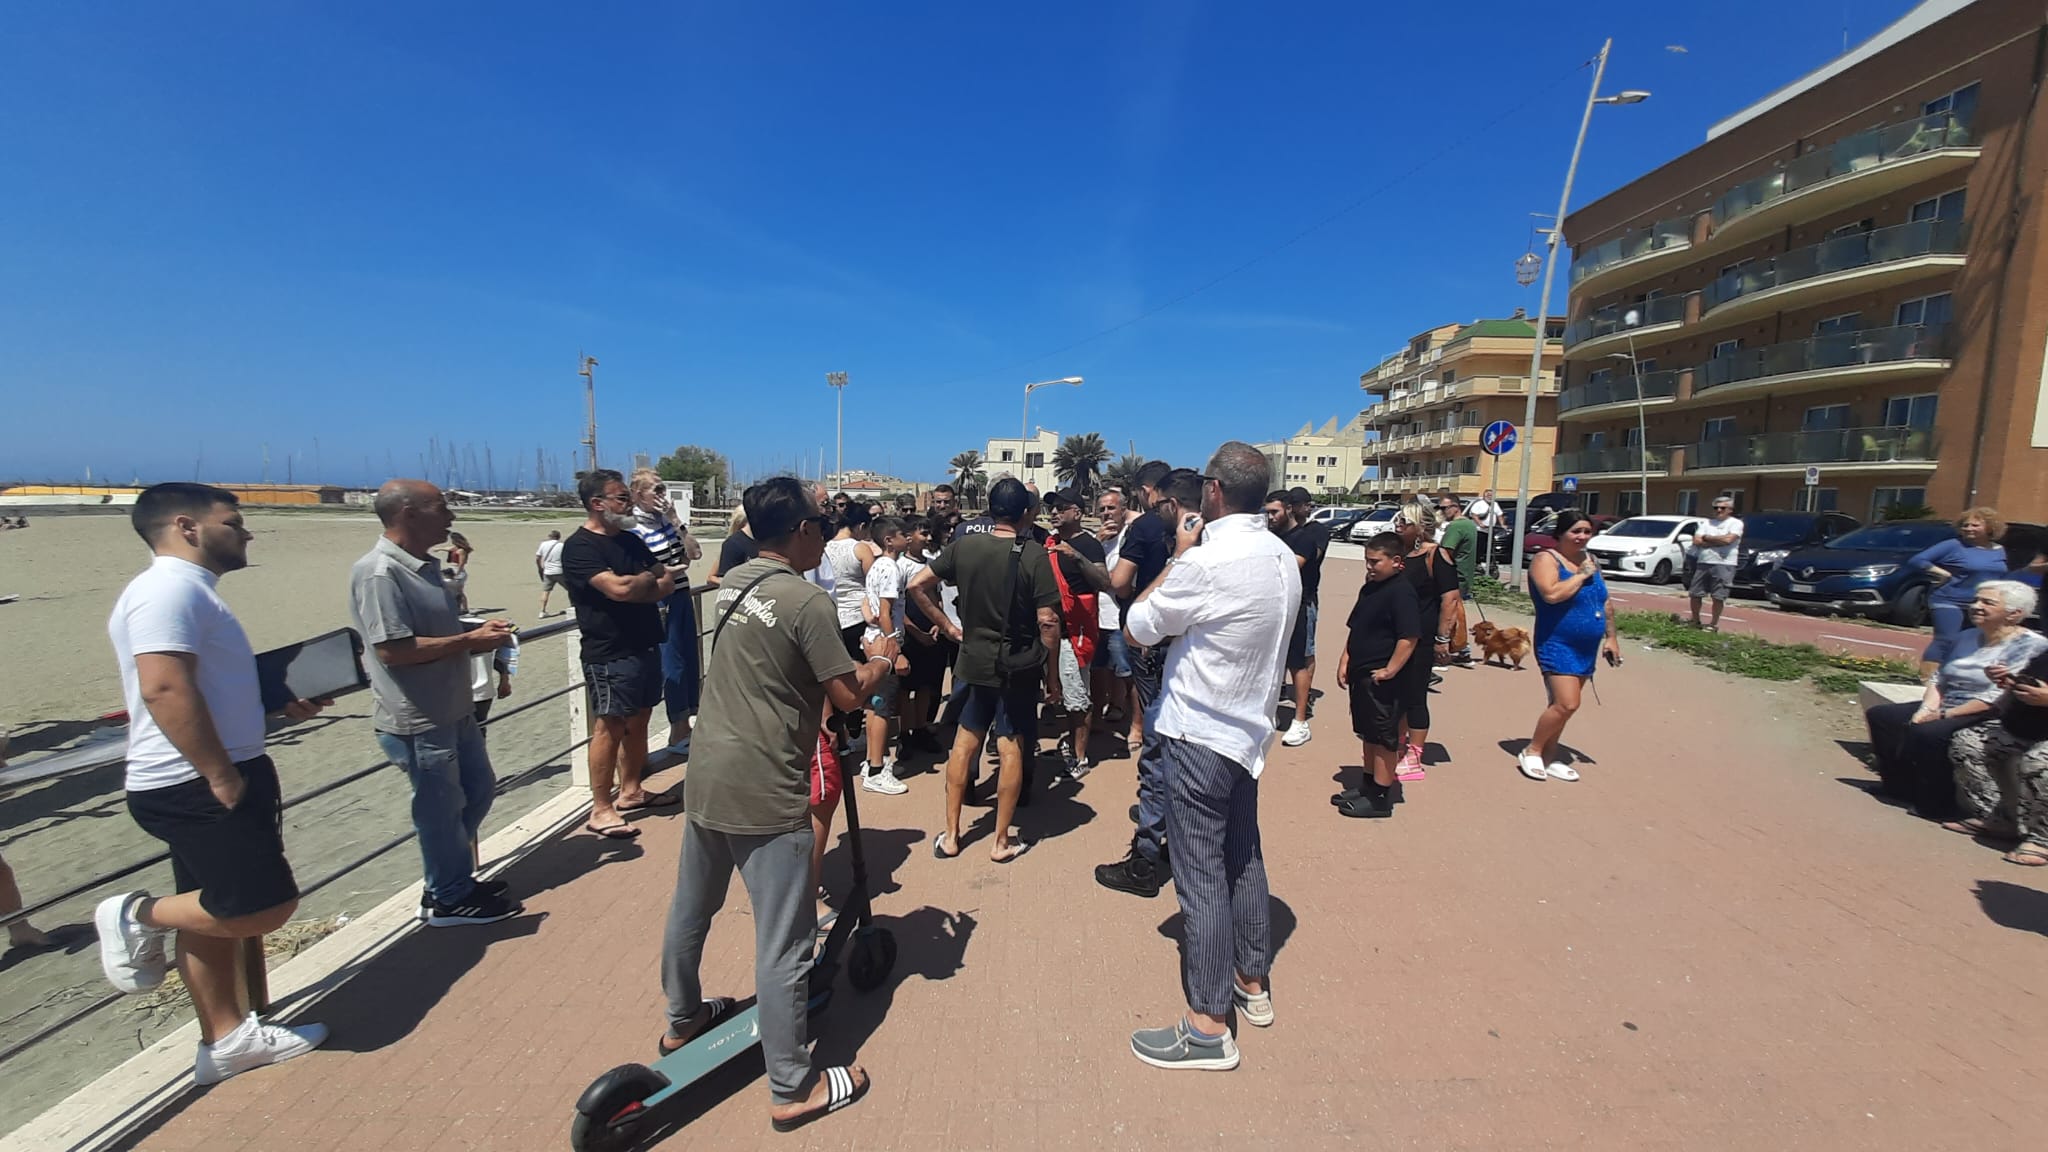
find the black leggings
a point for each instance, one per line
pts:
(1912, 759)
(1415, 688)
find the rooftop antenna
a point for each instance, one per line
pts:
(589, 406)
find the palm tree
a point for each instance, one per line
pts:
(1079, 459)
(1124, 473)
(968, 476)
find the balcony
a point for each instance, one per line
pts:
(1595, 399)
(1623, 461)
(1836, 268)
(1841, 449)
(1632, 255)
(1853, 170)
(1607, 329)
(1830, 361)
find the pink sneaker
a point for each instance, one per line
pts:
(1410, 767)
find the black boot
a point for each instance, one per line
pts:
(1135, 874)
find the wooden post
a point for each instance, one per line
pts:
(255, 975)
(579, 712)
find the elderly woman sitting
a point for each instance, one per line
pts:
(2002, 767)
(1911, 740)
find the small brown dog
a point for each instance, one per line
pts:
(1502, 643)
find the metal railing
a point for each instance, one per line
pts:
(1833, 350)
(1596, 461)
(1614, 318)
(1840, 254)
(1619, 390)
(1821, 446)
(1857, 153)
(1672, 233)
(254, 970)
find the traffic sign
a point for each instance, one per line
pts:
(1812, 477)
(1571, 483)
(1498, 439)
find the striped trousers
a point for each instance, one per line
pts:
(1219, 871)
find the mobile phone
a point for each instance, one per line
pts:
(2029, 681)
(1188, 522)
(1608, 655)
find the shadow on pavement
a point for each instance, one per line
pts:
(1280, 920)
(370, 1014)
(1514, 748)
(562, 859)
(2014, 906)
(888, 849)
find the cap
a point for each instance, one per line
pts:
(1299, 496)
(1060, 498)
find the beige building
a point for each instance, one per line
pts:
(1848, 275)
(1327, 461)
(1433, 398)
(1029, 460)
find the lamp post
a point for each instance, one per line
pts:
(1629, 321)
(1024, 430)
(837, 382)
(1550, 272)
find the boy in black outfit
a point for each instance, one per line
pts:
(1386, 626)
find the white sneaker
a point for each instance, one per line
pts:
(131, 953)
(254, 1045)
(1532, 766)
(1297, 734)
(883, 780)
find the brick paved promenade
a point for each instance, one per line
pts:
(1711, 942)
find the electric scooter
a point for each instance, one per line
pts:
(613, 1112)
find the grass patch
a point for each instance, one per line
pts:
(1760, 659)
(1495, 594)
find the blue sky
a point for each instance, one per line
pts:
(367, 226)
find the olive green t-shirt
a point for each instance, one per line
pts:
(980, 566)
(1461, 540)
(763, 699)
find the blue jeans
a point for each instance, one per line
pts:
(1948, 625)
(452, 789)
(679, 661)
(1148, 667)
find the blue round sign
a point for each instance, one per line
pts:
(1498, 439)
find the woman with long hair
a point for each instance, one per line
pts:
(1574, 630)
(848, 556)
(1435, 577)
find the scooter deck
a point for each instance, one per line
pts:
(705, 1054)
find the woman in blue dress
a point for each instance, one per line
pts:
(1573, 630)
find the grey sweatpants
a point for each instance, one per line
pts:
(777, 873)
(1219, 871)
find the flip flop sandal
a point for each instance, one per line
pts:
(840, 1090)
(721, 1007)
(613, 831)
(1017, 848)
(1532, 767)
(657, 800)
(2028, 857)
(1978, 826)
(939, 848)
(1561, 772)
(1364, 809)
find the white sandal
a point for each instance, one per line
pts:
(1562, 771)
(1531, 765)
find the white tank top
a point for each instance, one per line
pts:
(849, 583)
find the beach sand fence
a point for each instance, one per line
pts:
(125, 1096)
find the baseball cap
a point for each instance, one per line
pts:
(1060, 498)
(1299, 496)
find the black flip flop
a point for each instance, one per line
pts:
(613, 831)
(941, 853)
(840, 1091)
(656, 800)
(721, 1007)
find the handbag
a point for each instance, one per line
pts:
(1459, 637)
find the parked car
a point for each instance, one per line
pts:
(1768, 537)
(1541, 504)
(1371, 524)
(1541, 534)
(1864, 573)
(1335, 519)
(1647, 547)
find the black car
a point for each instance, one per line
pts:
(1768, 537)
(1862, 573)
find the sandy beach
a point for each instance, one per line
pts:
(59, 677)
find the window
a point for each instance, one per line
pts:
(1688, 501)
(1646, 366)
(1034, 459)
(1959, 103)
(1910, 411)
(1885, 498)
(1630, 437)
(1727, 347)
(1592, 502)
(1449, 377)
(1473, 418)
(1469, 466)
(1852, 228)
(1717, 427)
(1734, 495)
(1319, 480)
(1947, 206)
(1825, 417)
(1815, 499)
(1846, 322)
(1629, 503)
(1008, 456)
(1596, 440)
(1738, 266)
(1599, 376)
(1936, 309)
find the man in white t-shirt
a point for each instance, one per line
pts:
(547, 560)
(197, 779)
(1485, 515)
(1111, 671)
(1716, 549)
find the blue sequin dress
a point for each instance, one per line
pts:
(1568, 635)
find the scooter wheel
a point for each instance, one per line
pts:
(610, 1112)
(873, 958)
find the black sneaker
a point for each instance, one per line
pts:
(484, 890)
(1134, 813)
(474, 909)
(1134, 874)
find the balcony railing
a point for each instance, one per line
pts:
(1595, 461)
(1614, 318)
(1855, 153)
(1826, 446)
(1656, 386)
(1840, 254)
(1631, 244)
(1834, 350)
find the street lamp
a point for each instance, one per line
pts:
(1630, 96)
(1629, 320)
(837, 382)
(1024, 430)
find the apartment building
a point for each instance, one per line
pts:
(1849, 275)
(1432, 399)
(1327, 461)
(1028, 459)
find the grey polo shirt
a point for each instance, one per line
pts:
(393, 594)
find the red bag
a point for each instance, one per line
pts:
(1078, 618)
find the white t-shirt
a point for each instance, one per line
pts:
(173, 607)
(1107, 614)
(1484, 513)
(842, 559)
(1726, 553)
(885, 582)
(550, 554)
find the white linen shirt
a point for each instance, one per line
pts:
(1231, 600)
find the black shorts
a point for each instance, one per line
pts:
(626, 686)
(233, 859)
(1376, 710)
(1301, 645)
(850, 636)
(1011, 710)
(928, 663)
